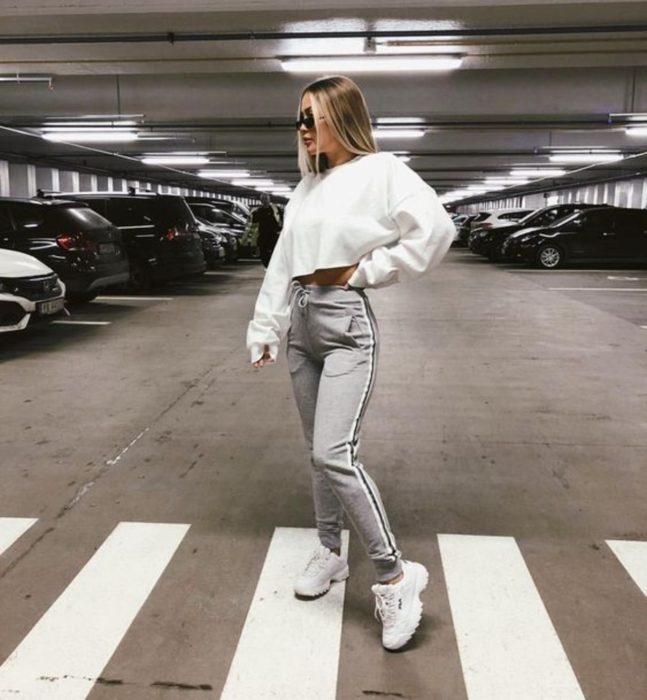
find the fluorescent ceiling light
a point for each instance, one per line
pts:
(636, 130)
(398, 133)
(511, 182)
(175, 160)
(370, 64)
(252, 182)
(17, 78)
(85, 124)
(225, 174)
(399, 120)
(538, 172)
(585, 157)
(91, 136)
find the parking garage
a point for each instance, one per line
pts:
(156, 499)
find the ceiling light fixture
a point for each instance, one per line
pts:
(224, 174)
(538, 172)
(175, 160)
(398, 133)
(252, 182)
(17, 78)
(370, 64)
(584, 158)
(91, 136)
(636, 130)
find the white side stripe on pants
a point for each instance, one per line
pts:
(508, 647)
(289, 648)
(11, 529)
(65, 652)
(633, 556)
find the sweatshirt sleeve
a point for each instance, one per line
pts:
(272, 311)
(425, 229)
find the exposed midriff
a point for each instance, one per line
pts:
(328, 275)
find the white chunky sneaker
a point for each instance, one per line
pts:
(398, 605)
(323, 568)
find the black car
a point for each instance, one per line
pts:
(159, 232)
(463, 231)
(214, 244)
(239, 212)
(222, 222)
(83, 248)
(606, 234)
(489, 242)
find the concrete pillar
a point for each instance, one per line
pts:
(48, 179)
(69, 181)
(4, 178)
(22, 180)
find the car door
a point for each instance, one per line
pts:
(591, 235)
(630, 229)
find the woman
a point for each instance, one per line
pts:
(358, 219)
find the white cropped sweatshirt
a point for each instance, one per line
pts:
(372, 210)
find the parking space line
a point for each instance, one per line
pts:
(507, 644)
(81, 323)
(13, 528)
(288, 649)
(64, 653)
(126, 298)
(633, 556)
(596, 289)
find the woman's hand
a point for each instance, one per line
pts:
(265, 359)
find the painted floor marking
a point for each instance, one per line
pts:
(507, 644)
(633, 556)
(82, 323)
(288, 648)
(596, 289)
(122, 298)
(64, 653)
(13, 528)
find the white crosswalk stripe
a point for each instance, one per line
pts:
(288, 649)
(507, 644)
(11, 529)
(633, 556)
(65, 652)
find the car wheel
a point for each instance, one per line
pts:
(550, 256)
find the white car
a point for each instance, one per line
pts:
(498, 217)
(28, 288)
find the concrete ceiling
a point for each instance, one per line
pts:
(207, 77)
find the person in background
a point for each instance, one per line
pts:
(358, 219)
(269, 220)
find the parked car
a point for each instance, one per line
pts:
(463, 231)
(604, 234)
(239, 211)
(220, 221)
(213, 244)
(497, 217)
(159, 232)
(489, 243)
(83, 248)
(28, 290)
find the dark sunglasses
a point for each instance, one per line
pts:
(307, 120)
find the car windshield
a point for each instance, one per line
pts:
(543, 217)
(82, 218)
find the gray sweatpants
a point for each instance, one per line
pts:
(332, 355)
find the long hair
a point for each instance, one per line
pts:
(340, 102)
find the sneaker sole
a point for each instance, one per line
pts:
(422, 579)
(316, 592)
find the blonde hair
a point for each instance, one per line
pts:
(340, 102)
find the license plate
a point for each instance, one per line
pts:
(47, 308)
(106, 248)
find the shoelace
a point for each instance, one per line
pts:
(385, 607)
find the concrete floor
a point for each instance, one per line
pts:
(502, 407)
